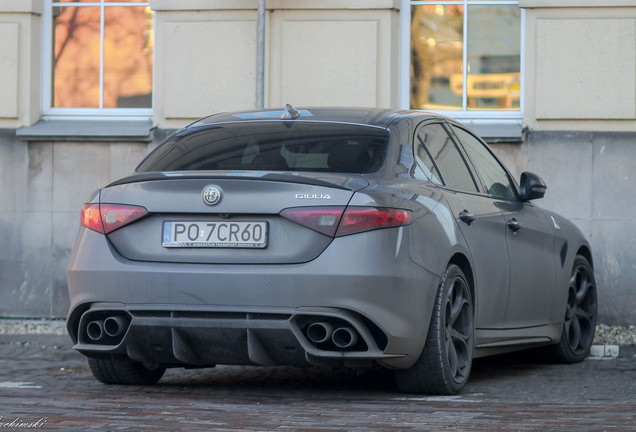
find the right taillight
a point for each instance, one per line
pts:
(321, 219)
(359, 219)
(106, 218)
(340, 221)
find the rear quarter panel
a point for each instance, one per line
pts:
(568, 243)
(433, 235)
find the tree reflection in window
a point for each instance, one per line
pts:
(102, 62)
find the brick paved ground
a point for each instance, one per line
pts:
(43, 379)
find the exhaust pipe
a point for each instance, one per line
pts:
(319, 332)
(344, 337)
(95, 330)
(115, 326)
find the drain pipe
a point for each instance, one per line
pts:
(260, 79)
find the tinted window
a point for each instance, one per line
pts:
(445, 156)
(275, 146)
(425, 162)
(495, 178)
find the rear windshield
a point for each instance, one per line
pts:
(272, 146)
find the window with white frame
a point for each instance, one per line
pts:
(462, 57)
(98, 57)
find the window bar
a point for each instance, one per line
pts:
(465, 65)
(101, 53)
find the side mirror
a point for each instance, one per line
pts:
(532, 186)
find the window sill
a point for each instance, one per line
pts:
(496, 131)
(88, 130)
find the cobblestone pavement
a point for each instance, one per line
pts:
(46, 385)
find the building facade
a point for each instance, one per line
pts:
(87, 88)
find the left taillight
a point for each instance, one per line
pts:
(106, 218)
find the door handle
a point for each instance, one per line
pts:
(514, 225)
(467, 217)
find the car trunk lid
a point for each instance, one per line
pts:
(177, 228)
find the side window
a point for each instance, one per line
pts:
(437, 154)
(495, 178)
(424, 159)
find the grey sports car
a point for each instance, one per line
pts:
(325, 236)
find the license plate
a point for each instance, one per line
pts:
(197, 234)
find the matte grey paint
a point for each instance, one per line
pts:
(384, 279)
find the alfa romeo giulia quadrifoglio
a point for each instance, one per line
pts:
(338, 237)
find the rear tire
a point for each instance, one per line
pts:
(119, 369)
(446, 360)
(579, 325)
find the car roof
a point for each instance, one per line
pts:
(364, 116)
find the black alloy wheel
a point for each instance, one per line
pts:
(446, 360)
(579, 325)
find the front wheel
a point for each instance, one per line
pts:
(446, 360)
(119, 369)
(580, 315)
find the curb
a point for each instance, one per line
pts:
(42, 339)
(609, 352)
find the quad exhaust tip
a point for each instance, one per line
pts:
(342, 337)
(95, 330)
(319, 332)
(115, 326)
(108, 331)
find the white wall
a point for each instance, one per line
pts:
(20, 34)
(339, 53)
(580, 69)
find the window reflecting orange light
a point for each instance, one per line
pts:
(493, 57)
(128, 57)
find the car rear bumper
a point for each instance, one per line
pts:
(204, 314)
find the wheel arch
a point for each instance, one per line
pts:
(586, 253)
(461, 261)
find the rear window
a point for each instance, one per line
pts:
(272, 146)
